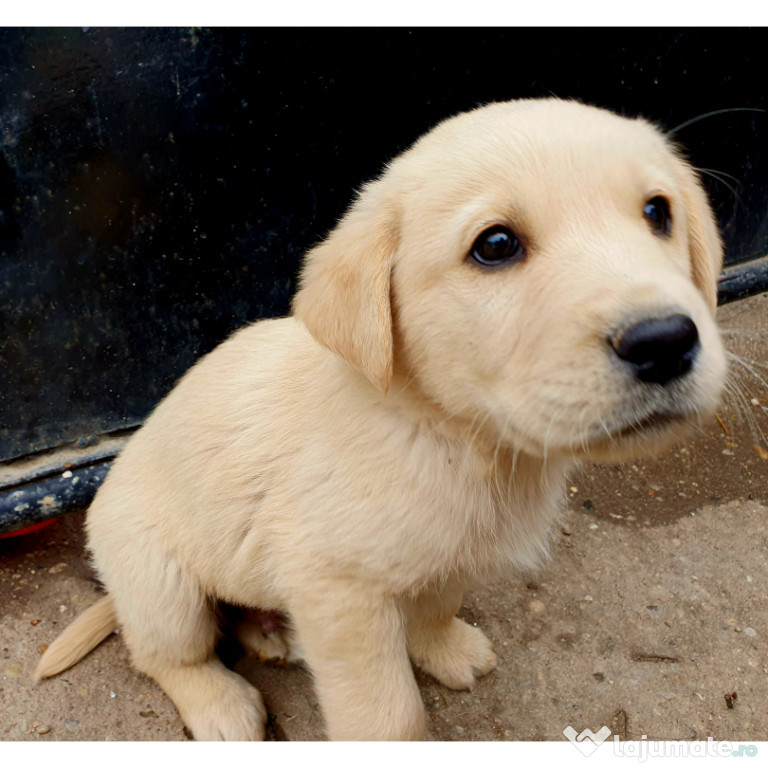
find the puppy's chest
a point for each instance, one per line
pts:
(473, 515)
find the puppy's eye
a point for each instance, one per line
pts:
(496, 246)
(656, 213)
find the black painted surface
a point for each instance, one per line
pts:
(44, 499)
(158, 186)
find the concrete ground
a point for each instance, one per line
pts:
(652, 617)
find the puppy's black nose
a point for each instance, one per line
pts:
(660, 349)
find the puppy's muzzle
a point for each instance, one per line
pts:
(658, 350)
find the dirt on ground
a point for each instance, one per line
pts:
(651, 617)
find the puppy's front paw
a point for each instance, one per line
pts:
(236, 713)
(456, 654)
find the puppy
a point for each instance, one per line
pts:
(531, 285)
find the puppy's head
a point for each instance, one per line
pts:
(541, 268)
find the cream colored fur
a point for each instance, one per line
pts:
(408, 430)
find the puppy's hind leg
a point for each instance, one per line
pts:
(171, 634)
(265, 634)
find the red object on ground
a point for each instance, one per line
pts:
(28, 529)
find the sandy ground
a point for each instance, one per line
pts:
(651, 617)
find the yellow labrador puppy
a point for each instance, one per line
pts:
(532, 284)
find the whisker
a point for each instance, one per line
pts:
(714, 172)
(582, 431)
(736, 386)
(555, 416)
(737, 399)
(746, 365)
(512, 473)
(716, 175)
(739, 402)
(473, 434)
(711, 114)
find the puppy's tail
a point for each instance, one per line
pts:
(78, 639)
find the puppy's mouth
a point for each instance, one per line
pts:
(643, 431)
(637, 437)
(652, 424)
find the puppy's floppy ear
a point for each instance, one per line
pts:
(704, 243)
(343, 297)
